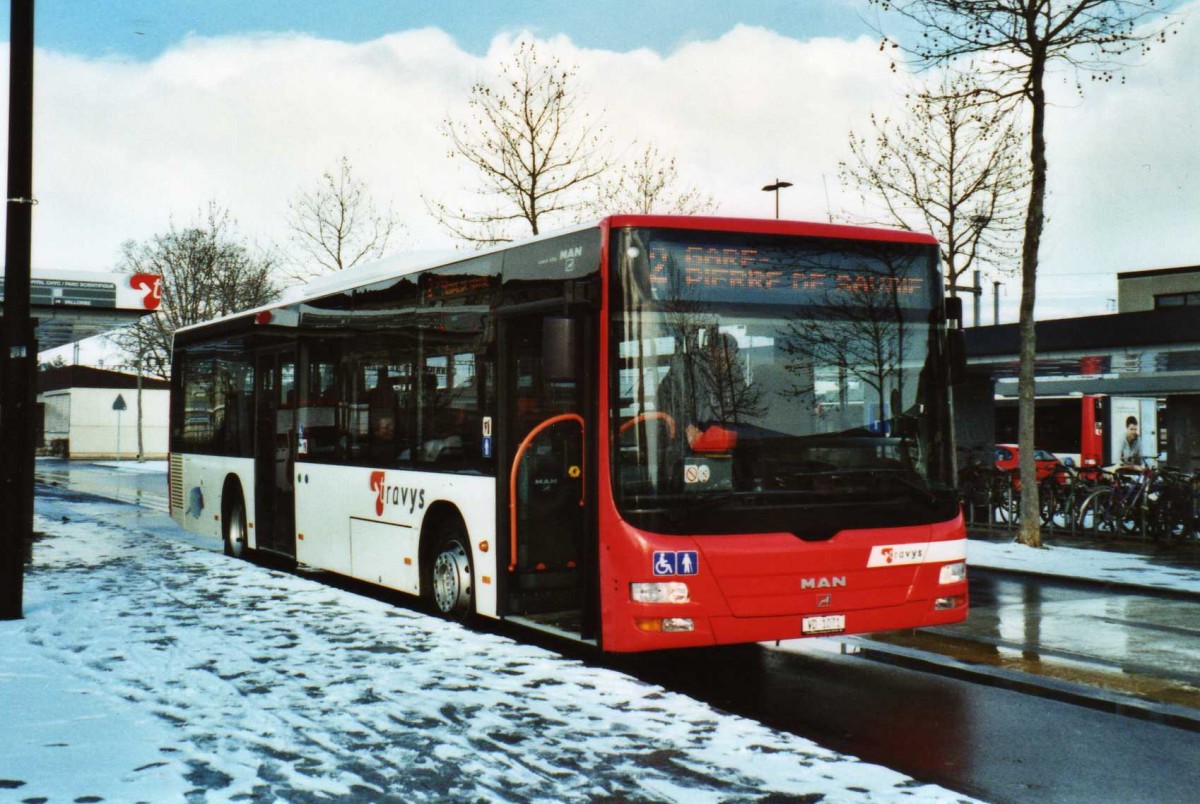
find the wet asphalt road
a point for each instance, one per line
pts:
(1125, 642)
(994, 744)
(1010, 736)
(127, 481)
(986, 741)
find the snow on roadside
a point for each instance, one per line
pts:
(1074, 562)
(149, 669)
(144, 467)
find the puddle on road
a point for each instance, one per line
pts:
(1093, 674)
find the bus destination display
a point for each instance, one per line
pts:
(782, 275)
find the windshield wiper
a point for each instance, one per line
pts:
(898, 475)
(689, 503)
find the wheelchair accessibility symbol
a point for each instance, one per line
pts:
(676, 562)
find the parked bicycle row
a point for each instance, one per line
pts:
(1148, 502)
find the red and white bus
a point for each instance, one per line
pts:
(1087, 428)
(651, 432)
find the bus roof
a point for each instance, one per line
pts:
(770, 226)
(405, 263)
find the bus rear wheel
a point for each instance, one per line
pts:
(235, 529)
(452, 589)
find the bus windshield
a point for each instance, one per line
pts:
(757, 375)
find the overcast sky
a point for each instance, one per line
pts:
(146, 111)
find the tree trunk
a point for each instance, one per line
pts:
(1030, 529)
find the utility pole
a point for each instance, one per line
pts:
(18, 352)
(976, 290)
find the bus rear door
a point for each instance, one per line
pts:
(275, 452)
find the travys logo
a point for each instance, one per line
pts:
(885, 555)
(151, 287)
(402, 497)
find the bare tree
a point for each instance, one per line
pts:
(650, 184)
(337, 225)
(950, 166)
(861, 330)
(1015, 43)
(207, 271)
(535, 149)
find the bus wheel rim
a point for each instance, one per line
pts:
(451, 579)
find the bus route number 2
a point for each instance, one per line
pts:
(676, 562)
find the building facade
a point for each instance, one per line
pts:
(91, 413)
(1138, 291)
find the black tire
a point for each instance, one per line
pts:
(235, 530)
(1049, 500)
(1096, 515)
(1008, 507)
(1129, 517)
(450, 574)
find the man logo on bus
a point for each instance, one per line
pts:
(830, 582)
(402, 496)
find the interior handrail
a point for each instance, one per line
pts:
(516, 467)
(642, 417)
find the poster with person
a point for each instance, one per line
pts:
(1133, 431)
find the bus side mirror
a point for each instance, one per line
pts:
(954, 311)
(560, 345)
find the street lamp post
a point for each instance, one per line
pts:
(18, 345)
(775, 188)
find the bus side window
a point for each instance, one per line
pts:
(381, 417)
(318, 415)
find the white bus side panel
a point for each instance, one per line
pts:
(202, 483)
(366, 523)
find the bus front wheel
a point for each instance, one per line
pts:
(451, 577)
(235, 529)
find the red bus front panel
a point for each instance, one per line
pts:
(760, 587)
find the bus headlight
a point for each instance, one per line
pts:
(659, 592)
(667, 624)
(953, 573)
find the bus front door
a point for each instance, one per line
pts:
(544, 471)
(275, 452)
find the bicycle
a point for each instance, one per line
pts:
(1172, 505)
(1121, 507)
(1064, 493)
(1006, 497)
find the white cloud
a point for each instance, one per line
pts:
(1124, 178)
(1125, 169)
(248, 121)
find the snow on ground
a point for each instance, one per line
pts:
(145, 467)
(150, 669)
(1075, 562)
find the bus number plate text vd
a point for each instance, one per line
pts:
(823, 624)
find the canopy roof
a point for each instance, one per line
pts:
(69, 306)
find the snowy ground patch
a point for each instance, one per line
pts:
(143, 467)
(150, 669)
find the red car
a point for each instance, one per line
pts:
(1008, 457)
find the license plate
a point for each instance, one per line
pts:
(823, 624)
